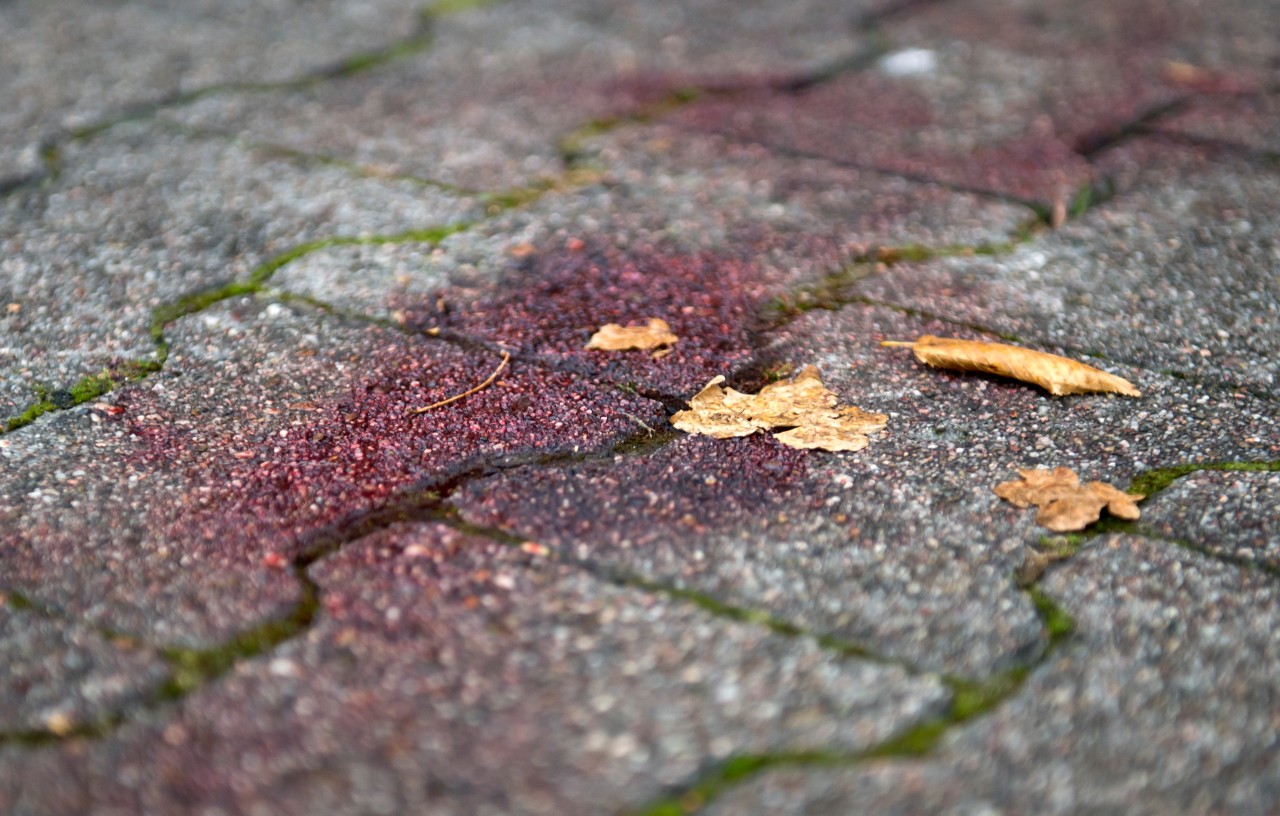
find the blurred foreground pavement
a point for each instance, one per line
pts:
(240, 241)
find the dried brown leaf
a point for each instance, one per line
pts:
(802, 404)
(1065, 504)
(1039, 487)
(653, 334)
(1057, 375)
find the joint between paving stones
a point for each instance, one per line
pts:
(95, 386)
(970, 700)
(416, 42)
(189, 670)
(1269, 159)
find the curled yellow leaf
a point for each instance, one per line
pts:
(1057, 375)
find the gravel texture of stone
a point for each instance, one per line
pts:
(313, 500)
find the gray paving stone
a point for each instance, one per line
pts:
(1163, 701)
(1233, 514)
(59, 676)
(142, 217)
(449, 674)
(70, 64)
(1132, 281)
(486, 106)
(662, 190)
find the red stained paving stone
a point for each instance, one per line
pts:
(1001, 97)
(452, 675)
(1235, 34)
(550, 306)
(177, 515)
(878, 122)
(274, 483)
(691, 487)
(1246, 122)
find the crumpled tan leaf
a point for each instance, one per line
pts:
(1065, 504)
(801, 404)
(653, 334)
(1057, 375)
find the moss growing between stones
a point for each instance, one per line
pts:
(94, 386)
(970, 699)
(190, 669)
(1150, 482)
(193, 668)
(84, 390)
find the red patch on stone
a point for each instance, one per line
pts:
(355, 453)
(552, 305)
(880, 123)
(691, 486)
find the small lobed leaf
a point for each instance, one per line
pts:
(655, 333)
(1057, 375)
(1066, 505)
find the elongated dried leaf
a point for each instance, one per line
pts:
(1065, 504)
(802, 404)
(653, 334)
(1057, 375)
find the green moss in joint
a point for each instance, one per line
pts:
(84, 390)
(1152, 482)
(1058, 624)
(193, 668)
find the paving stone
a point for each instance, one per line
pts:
(1164, 700)
(1232, 514)
(59, 676)
(266, 429)
(1128, 282)
(818, 538)
(1000, 96)
(253, 582)
(486, 106)
(142, 216)
(688, 229)
(1248, 121)
(450, 674)
(72, 64)
(1235, 36)
(980, 118)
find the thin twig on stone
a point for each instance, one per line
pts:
(506, 356)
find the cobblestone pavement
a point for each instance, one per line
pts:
(239, 241)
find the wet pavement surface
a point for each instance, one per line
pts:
(239, 246)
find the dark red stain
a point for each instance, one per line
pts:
(689, 487)
(265, 486)
(873, 121)
(550, 305)
(261, 495)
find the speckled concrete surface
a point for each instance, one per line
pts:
(241, 244)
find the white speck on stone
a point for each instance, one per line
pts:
(283, 667)
(909, 62)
